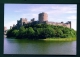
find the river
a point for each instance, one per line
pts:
(23, 46)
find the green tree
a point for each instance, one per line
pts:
(59, 33)
(15, 33)
(41, 31)
(22, 31)
(9, 33)
(30, 32)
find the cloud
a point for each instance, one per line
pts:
(29, 15)
(52, 9)
(10, 24)
(74, 25)
(56, 12)
(21, 10)
(71, 11)
(41, 8)
(34, 15)
(72, 17)
(62, 10)
(24, 15)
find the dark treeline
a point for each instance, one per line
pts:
(41, 31)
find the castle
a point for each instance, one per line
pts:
(42, 19)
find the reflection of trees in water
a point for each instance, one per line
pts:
(24, 46)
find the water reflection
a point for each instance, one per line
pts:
(23, 46)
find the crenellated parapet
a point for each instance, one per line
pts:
(42, 19)
(67, 24)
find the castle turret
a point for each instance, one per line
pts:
(13, 25)
(33, 19)
(68, 24)
(21, 21)
(43, 17)
(62, 22)
(10, 27)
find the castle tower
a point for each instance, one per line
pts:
(69, 24)
(10, 27)
(43, 17)
(13, 25)
(33, 19)
(23, 21)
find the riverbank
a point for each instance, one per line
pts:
(51, 39)
(60, 39)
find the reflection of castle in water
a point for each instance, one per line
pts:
(43, 18)
(5, 36)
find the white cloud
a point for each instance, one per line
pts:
(34, 15)
(55, 9)
(61, 10)
(41, 8)
(72, 17)
(21, 10)
(24, 15)
(29, 15)
(74, 25)
(10, 24)
(71, 11)
(52, 10)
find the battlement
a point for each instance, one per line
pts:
(33, 19)
(67, 24)
(42, 18)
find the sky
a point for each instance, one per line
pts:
(56, 13)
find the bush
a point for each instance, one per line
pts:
(41, 31)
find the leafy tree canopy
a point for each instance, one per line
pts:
(41, 31)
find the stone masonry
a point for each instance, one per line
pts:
(42, 18)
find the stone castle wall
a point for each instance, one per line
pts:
(60, 24)
(43, 18)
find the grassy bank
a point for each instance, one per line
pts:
(60, 39)
(51, 39)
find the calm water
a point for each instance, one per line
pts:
(19, 46)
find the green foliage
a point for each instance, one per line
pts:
(9, 33)
(30, 33)
(41, 31)
(15, 33)
(21, 32)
